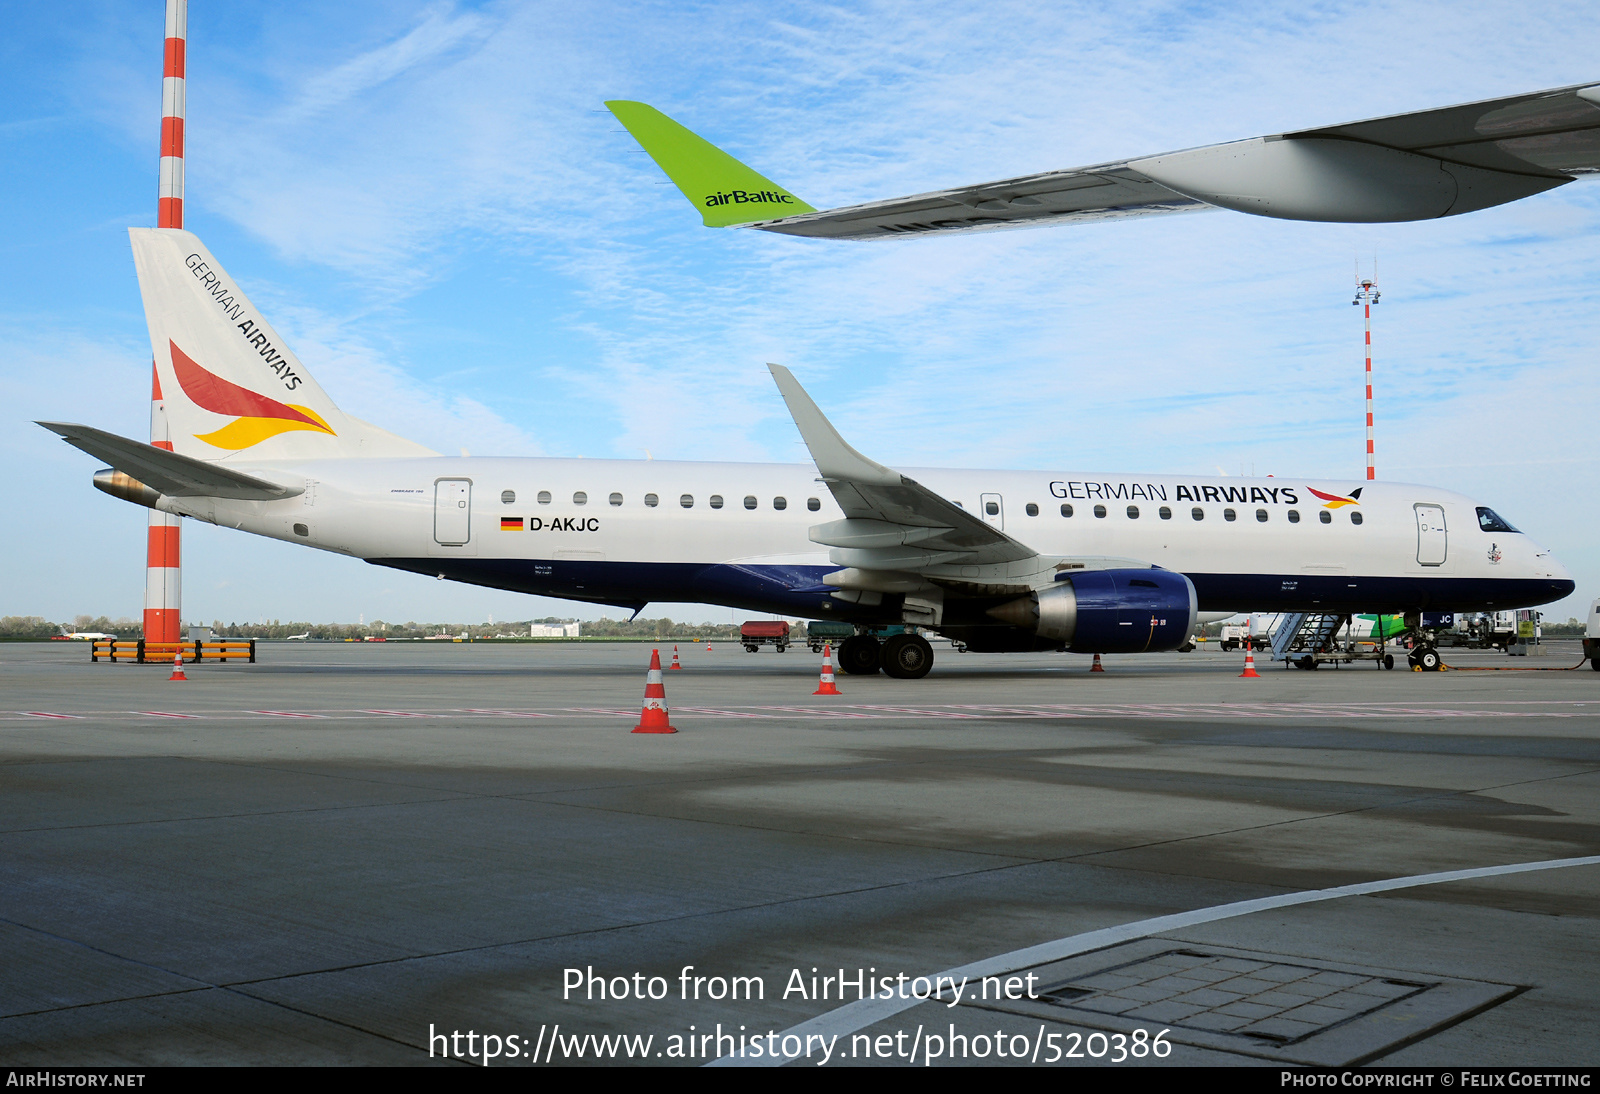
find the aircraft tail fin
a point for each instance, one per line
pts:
(724, 190)
(228, 384)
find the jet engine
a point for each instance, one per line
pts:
(1108, 611)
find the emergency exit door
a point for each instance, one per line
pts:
(452, 512)
(993, 509)
(1432, 540)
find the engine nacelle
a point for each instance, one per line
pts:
(1109, 611)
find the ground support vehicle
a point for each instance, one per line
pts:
(756, 633)
(1309, 640)
(824, 632)
(1591, 636)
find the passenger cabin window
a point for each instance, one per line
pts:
(1261, 515)
(651, 500)
(615, 499)
(780, 503)
(508, 497)
(813, 504)
(716, 501)
(1166, 513)
(1032, 509)
(750, 501)
(687, 501)
(544, 497)
(580, 498)
(1066, 510)
(1490, 521)
(1325, 517)
(1229, 514)
(1099, 510)
(1294, 516)
(1197, 513)
(1355, 516)
(1133, 512)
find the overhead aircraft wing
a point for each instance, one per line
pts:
(1416, 166)
(168, 472)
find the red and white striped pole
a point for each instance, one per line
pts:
(1367, 294)
(163, 582)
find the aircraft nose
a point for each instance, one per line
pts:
(1550, 568)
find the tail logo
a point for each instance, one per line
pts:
(1335, 501)
(256, 416)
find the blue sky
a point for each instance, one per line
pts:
(431, 204)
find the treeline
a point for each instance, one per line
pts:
(35, 626)
(602, 628)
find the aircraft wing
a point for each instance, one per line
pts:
(891, 522)
(168, 472)
(1416, 166)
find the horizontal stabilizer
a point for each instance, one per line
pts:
(724, 190)
(169, 473)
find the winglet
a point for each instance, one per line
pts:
(724, 190)
(834, 457)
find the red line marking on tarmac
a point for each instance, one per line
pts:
(166, 714)
(286, 713)
(820, 713)
(510, 713)
(715, 710)
(918, 710)
(602, 710)
(398, 713)
(47, 714)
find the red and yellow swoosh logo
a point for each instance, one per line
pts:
(258, 416)
(1335, 501)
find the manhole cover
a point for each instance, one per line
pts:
(1281, 1008)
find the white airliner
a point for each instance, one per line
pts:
(998, 560)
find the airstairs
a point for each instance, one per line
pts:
(1299, 634)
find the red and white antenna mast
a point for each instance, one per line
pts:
(1367, 294)
(163, 583)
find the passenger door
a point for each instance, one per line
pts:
(452, 512)
(1432, 539)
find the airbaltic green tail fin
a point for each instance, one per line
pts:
(724, 190)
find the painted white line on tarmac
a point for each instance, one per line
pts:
(848, 1019)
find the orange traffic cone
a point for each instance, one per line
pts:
(1249, 662)
(177, 666)
(1097, 667)
(708, 645)
(675, 666)
(653, 717)
(827, 686)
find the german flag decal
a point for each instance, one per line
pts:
(511, 524)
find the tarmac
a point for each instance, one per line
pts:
(352, 853)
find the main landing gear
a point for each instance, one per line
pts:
(901, 656)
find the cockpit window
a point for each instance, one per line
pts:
(1490, 521)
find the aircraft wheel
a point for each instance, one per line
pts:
(907, 657)
(1594, 663)
(860, 655)
(1428, 659)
